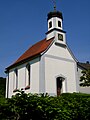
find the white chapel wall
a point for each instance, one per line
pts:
(58, 60)
(55, 67)
(59, 51)
(10, 89)
(22, 78)
(35, 76)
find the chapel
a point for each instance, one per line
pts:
(48, 66)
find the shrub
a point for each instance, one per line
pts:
(68, 106)
(2, 87)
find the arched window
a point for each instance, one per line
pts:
(27, 76)
(59, 24)
(50, 24)
(16, 78)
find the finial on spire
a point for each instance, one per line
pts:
(54, 2)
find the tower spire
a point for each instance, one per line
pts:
(54, 2)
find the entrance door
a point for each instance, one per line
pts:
(59, 85)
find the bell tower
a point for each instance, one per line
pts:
(55, 19)
(55, 27)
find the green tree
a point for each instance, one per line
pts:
(85, 78)
(2, 86)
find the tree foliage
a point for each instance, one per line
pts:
(85, 78)
(44, 107)
(2, 86)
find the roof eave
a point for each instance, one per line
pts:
(22, 62)
(48, 47)
(79, 64)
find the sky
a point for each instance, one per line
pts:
(24, 22)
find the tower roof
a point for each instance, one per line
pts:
(55, 14)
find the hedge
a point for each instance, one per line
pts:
(75, 106)
(2, 86)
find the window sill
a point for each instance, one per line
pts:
(16, 90)
(27, 87)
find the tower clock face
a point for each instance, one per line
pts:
(60, 37)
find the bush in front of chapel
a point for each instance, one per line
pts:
(27, 106)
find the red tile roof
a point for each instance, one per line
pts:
(34, 50)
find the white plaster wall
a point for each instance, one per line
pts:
(54, 67)
(79, 72)
(34, 76)
(54, 21)
(55, 34)
(42, 75)
(50, 35)
(85, 90)
(58, 60)
(22, 78)
(10, 92)
(58, 51)
(12, 80)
